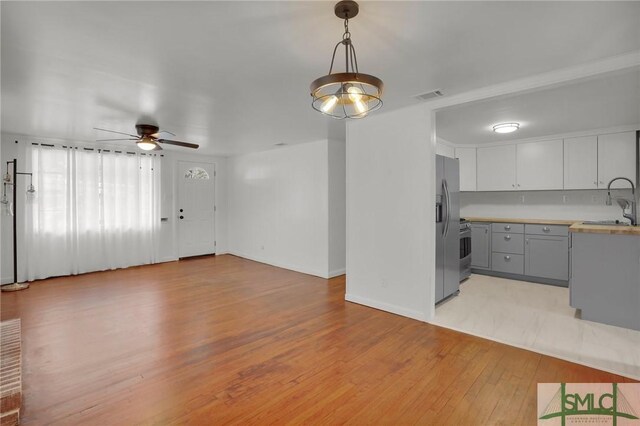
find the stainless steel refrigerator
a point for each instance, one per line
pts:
(447, 227)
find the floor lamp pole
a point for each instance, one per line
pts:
(16, 285)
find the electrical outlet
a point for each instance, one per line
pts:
(564, 199)
(522, 199)
(594, 198)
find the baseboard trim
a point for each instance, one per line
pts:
(337, 272)
(519, 277)
(387, 307)
(282, 265)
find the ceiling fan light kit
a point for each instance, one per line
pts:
(350, 94)
(148, 138)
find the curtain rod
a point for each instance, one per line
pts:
(96, 149)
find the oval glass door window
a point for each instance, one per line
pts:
(196, 173)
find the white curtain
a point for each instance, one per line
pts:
(93, 210)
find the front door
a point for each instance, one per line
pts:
(196, 208)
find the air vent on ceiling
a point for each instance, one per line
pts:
(430, 95)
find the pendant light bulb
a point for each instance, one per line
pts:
(355, 93)
(328, 105)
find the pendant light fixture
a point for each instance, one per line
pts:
(349, 94)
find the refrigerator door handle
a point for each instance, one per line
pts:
(445, 230)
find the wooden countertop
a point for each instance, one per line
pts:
(574, 225)
(525, 221)
(604, 229)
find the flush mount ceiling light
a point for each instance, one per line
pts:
(506, 127)
(350, 94)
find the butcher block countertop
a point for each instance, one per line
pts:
(604, 229)
(574, 225)
(525, 221)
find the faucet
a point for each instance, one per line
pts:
(625, 203)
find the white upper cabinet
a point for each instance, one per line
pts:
(581, 163)
(617, 157)
(467, 158)
(496, 168)
(539, 165)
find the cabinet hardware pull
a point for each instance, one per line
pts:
(546, 229)
(507, 227)
(507, 237)
(507, 258)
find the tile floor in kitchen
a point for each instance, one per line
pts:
(538, 317)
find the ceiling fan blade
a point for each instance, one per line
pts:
(157, 134)
(113, 131)
(106, 140)
(157, 148)
(178, 143)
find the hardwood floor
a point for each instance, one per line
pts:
(227, 340)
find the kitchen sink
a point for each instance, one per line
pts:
(606, 223)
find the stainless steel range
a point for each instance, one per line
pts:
(465, 249)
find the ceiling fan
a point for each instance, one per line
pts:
(148, 138)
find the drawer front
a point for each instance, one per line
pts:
(512, 228)
(507, 243)
(509, 263)
(556, 230)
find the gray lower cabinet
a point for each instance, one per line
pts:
(481, 245)
(508, 263)
(515, 250)
(546, 257)
(605, 278)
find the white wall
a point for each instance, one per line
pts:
(390, 215)
(571, 205)
(279, 207)
(337, 208)
(168, 248)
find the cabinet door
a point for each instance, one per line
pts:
(480, 245)
(539, 165)
(616, 157)
(496, 168)
(467, 157)
(546, 257)
(581, 163)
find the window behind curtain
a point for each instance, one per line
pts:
(93, 211)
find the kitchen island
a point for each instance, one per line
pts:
(604, 281)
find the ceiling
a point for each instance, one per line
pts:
(234, 76)
(605, 101)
